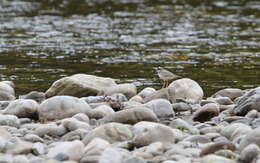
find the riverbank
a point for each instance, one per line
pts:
(86, 118)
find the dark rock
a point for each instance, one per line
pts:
(250, 101)
(217, 146)
(207, 112)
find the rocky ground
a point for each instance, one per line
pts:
(88, 119)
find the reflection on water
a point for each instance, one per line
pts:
(215, 42)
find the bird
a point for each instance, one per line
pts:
(166, 76)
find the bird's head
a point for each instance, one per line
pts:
(158, 68)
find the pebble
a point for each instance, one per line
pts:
(114, 123)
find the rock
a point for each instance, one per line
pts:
(20, 159)
(249, 153)
(7, 92)
(160, 94)
(4, 104)
(146, 92)
(252, 114)
(221, 100)
(60, 107)
(255, 123)
(227, 153)
(94, 149)
(102, 111)
(50, 130)
(4, 138)
(137, 99)
(155, 148)
(94, 99)
(72, 124)
(150, 132)
(80, 85)
(186, 152)
(6, 158)
(207, 112)
(134, 160)
(129, 90)
(117, 153)
(211, 129)
(78, 134)
(240, 132)
(9, 120)
(111, 132)
(202, 139)
(23, 108)
(81, 117)
(231, 93)
(181, 107)
(216, 159)
(249, 101)
(132, 116)
(74, 150)
(16, 146)
(39, 149)
(184, 126)
(187, 89)
(228, 130)
(161, 107)
(34, 95)
(252, 137)
(226, 107)
(217, 146)
(119, 97)
(33, 138)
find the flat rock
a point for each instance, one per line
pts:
(216, 159)
(232, 93)
(50, 130)
(34, 95)
(72, 124)
(60, 107)
(111, 132)
(221, 100)
(160, 94)
(129, 90)
(150, 132)
(132, 116)
(80, 85)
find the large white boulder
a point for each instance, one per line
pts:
(186, 89)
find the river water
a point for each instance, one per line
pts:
(215, 42)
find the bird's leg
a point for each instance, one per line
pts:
(166, 85)
(163, 84)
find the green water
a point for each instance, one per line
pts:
(215, 42)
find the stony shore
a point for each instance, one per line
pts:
(89, 119)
